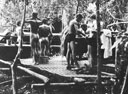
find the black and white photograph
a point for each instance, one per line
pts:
(63, 46)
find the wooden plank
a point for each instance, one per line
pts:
(89, 76)
(63, 84)
(68, 84)
(4, 69)
(109, 74)
(5, 62)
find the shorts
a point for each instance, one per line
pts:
(70, 37)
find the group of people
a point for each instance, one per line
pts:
(40, 36)
(88, 29)
(71, 37)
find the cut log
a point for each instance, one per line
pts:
(4, 69)
(41, 77)
(63, 84)
(37, 75)
(5, 62)
(69, 84)
(109, 74)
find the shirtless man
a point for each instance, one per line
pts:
(34, 22)
(17, 33)
(73, 30)
(44, 35)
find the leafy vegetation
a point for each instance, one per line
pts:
(12, 10)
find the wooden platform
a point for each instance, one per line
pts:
(57, 65)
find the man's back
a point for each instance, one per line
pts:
(34, 23)
(44, 31)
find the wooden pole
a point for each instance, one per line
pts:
(14, 88)
(99, 90)
(14, 65)
(124, 83)
(117, 23)
(68, 84)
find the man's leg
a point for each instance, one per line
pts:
(73, 52)
(35, 49)
(42, 48)
(68, 56)
(47, 48)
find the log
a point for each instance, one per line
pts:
(6, 82)
(63, 84)
(109, 74)
(41, 77)
(117, 23)
(4, 69)
(5, 62)
(89, 76)
(68, 84)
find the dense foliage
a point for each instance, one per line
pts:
(12, 10)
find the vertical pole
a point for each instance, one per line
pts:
(99, 90)
(125, 82)
(14, 88)
(14, 65)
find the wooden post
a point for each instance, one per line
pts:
(14, 65)
(14, 87)
(99, 90)
(116, 49)
(125, 81)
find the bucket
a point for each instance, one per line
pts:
(43, 60)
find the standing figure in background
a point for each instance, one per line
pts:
(44, 33)
(57, 23)
(17, 33)
(74, 26)
(52, 29)
(34, 22)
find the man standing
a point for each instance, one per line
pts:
(44, 33)
(17, 33)
(57, 24)
(34, 22)
(73, 30)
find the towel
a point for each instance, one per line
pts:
(106, 42)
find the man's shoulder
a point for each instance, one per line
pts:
(44, 26)
(35, 20)
(73, 21)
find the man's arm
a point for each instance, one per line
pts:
(28, 21)
(77, 28)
